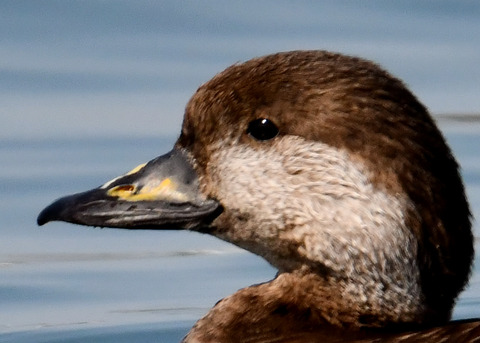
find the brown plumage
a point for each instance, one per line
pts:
(357, 201)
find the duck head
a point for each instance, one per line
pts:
(323, 164)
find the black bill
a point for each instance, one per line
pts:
(161, 194)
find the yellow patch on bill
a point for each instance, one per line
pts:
(136, 169)
(165, 190)
(122, 191)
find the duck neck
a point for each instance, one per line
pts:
(292, 302)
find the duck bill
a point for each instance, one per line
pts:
(161, 194)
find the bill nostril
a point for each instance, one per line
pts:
(122, 191)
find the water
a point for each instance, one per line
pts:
(65, 283)
(77, 68)
(71, 72)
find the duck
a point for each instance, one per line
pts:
(329, 168)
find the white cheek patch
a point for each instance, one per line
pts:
(314, 196)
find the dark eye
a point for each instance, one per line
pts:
(262, 129)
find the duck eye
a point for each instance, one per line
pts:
(262, 129)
